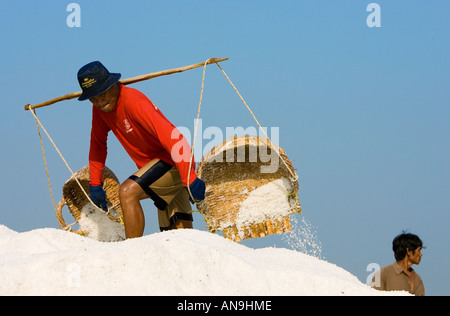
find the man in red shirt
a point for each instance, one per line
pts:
(160, 151)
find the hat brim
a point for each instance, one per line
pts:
(113, 79)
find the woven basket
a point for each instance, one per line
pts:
(244, 177)
(75, 199)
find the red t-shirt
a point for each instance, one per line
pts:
(143, 131)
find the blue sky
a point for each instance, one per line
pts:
(363, 112)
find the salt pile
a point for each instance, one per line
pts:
(184, 262)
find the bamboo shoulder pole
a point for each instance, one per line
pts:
(128, 81)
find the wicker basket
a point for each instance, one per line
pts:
(250, 192)
(76, 200)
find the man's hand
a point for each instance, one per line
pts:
(98, 196)
(197, 189)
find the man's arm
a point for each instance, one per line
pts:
(98, 148)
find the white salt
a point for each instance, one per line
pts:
(303, 237)
(97, 225)
(183, 262)
(269, 201)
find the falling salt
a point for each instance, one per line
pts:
(303, 237)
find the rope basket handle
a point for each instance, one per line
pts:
(60, 218)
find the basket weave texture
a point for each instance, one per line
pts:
(235, 172)
(75, 199)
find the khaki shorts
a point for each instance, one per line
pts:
(162, 183)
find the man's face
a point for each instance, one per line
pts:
(107, 101)
(415, 256)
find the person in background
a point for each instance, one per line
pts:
(400, 276)
(160, 151)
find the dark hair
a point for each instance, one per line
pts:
(404, 242)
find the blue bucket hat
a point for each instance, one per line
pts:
(94, 79)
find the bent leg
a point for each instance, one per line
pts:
(181, 224)
(177, 215)
(130, 196)
(162, 183)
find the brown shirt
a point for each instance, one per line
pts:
(393, 278)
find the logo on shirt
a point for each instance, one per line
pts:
(128, 127)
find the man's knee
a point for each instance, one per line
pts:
(130, 190)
